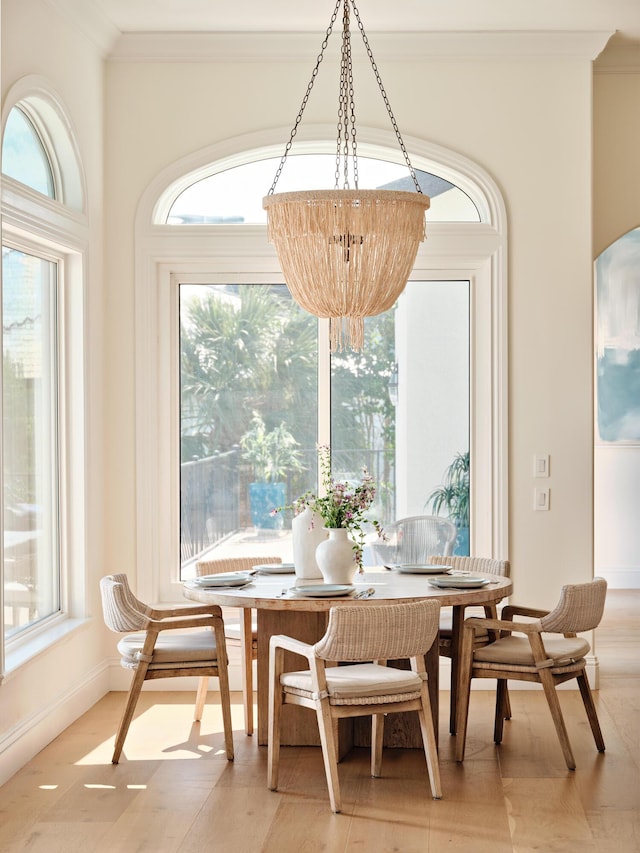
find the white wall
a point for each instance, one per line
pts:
(44, 694)
(616, 211)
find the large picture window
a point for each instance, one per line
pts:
(253, 368)
(30, 438)
(44, 239)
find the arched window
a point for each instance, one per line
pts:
(23, 154)
(43, 245)
(232, 195)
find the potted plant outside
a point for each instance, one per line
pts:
(453, 498)
(272, 455)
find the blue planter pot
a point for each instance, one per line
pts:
(263, 498)
(461, 547)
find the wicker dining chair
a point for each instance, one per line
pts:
(152, 653)
(548, 661)
(414, 539)
(241, 633)
(356, 636)
(483, 565)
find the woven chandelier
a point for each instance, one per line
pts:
(346, 253)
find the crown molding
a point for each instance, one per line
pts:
(90, 21)
(408, 46)
(619, 59)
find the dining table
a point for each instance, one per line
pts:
(284, 606)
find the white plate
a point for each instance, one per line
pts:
(223, 579)
(459, 582)
(323, 590)
(275, 568)
(420, 569)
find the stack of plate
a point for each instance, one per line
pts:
(322, 590)
(275, 568)
(223, 579)
(418, 568)
(459, 582)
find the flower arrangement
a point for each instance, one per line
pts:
(341, 504)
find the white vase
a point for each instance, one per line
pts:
(307, 531)
(336, 557)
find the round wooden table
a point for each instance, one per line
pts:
(282, 611)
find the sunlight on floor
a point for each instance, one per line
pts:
(204, 739)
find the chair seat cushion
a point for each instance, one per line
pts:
(357, 680)
(516, 650)
(172, 647)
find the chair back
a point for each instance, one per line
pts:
(231, 564)
(121, 609)
(372, 633)
(419, 536)
(580, 608)
(474, 564)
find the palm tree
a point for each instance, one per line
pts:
(244, 349)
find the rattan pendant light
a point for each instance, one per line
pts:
(346, 254)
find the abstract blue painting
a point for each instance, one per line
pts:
(618, 341)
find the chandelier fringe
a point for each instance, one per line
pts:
(346, 253)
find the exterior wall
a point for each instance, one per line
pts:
(43, 695)
(616, 143)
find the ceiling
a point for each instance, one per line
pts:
(136, 16)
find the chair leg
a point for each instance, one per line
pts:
(223, 683)
(507, 703)
(491, 612)
(457, 622)
(590, 708)
(201, 697)
(430, 746)
(377, 739)
(502, 699)
(329, 752)
(432, 663)
(246, 654)
(276, 659)
(464, 681)
(556, 713)
(127, 715)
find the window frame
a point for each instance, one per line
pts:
(166, 255)
(58, 232)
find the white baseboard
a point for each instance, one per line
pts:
(21, 743)
(620, 578)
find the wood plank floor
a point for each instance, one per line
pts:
(174, 790)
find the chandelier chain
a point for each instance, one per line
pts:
(394, 123)
(314, 74)
(352, 103)
(346, 125)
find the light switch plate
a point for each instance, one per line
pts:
(541, 465)
(541, 499)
